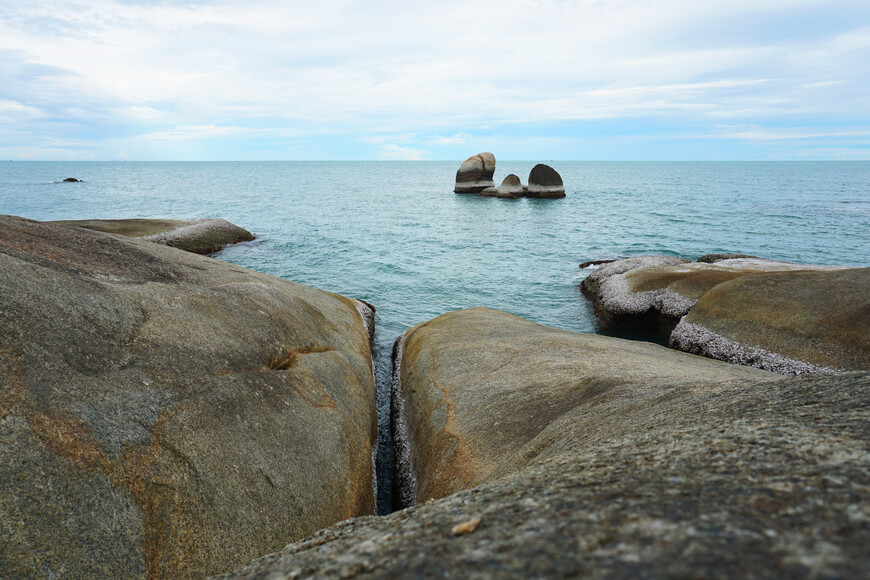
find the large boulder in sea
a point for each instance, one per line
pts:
(475, 174)
(202, 236)
(168, 415)
(545, 182)
(655, 293)
(788, 322)
(584, 455)
(511, 188)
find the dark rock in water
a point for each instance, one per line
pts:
(203, 236)
(712, 258)
(167, 415)
(71, 180)
(788, 322)
(510, 188)
(545, 182)
(582, 455)
(594, 263)
(475, 174)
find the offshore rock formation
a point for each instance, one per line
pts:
(789, 318)
(569, 454)
(203, 236)
(510, 188)
(167, 415)
(545, 182)
(475, 174)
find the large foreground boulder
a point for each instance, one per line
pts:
(167, 415)
(475, 174)
(583, 455)
(203, 236)
(478, 389)
(545, 182)
(802, 318)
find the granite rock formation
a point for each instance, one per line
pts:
(168, 415)
(545, 182)
(71, 180)
(511, 188)
(782, 309)
(575, 455)
(475, 174)
(203, 236)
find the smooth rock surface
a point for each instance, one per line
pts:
(787, 322)
(168, 415)
(475, 174)
(545, 182)
(484, 392)
(510, 188)
(203, 236)
(655, 292)
(598, 466)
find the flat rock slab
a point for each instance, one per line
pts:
(637, 474)
(484, 392)
(167, 415)
(203, 236)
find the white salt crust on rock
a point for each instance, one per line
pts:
(696, 339)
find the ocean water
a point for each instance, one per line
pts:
(395, 234)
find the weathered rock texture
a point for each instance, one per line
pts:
(788, 318)
(203, 236)
(475, 174)
(167, 415)
(510, 188)
(788, 322)
(545, 182)
(482, 389)
(600, 466)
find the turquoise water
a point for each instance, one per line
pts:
(393, 233)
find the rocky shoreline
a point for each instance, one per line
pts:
(167, 415)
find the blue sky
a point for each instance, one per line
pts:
(581, 79)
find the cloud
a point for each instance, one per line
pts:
(399, 153)
(423, 76)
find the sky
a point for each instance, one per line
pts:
(525, 79)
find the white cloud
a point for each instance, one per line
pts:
(385, 72)
(397, 152)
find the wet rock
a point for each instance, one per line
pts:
(545, 182)
(167, 415)
(712, 258)
(475, 174)
(203, 236)
(787, 322)
(580, 455)
(510, 188)
(584, 265)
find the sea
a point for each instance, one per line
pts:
(395, 234)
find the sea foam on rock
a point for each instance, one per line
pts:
(555, 453)
(167, 415)
(475, 174)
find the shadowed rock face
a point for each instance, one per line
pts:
(545, 182)
(481, 387)
(168, 415)
(510, 188)
(615, 460)
(203, 236)
(788, 318)
(475, 174)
